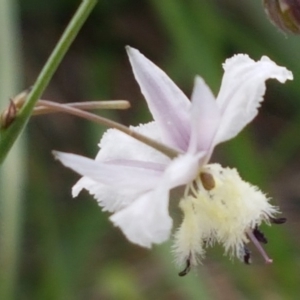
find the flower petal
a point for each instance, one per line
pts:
(205, 116)
(117, 145)
(135, 178)
(242, 90)
(183, 169)
(167, 103)
(146, 220)
(108, 197)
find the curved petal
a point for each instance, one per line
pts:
(108, 197)
(136, 178)
(116, 145)
(167, 103)
(182, 170)
(242, 90)
(146, 220)
(205, 117)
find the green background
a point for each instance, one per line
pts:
(56, 247)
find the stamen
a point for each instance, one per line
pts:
(259, 235)
(194, 187)
(259, 247)
(187, 268)
(207, 180)
(247, 256)
(278, 221)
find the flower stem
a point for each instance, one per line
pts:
(9, 135)
(87, 105)
(111, 124)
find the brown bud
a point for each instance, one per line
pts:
(10, 113)
(285, 14)
(8, 116)
(207, 180)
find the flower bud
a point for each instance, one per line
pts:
(284, 14)
(8, 116)
(10, 113)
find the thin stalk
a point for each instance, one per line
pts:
(111, 124)
(87, 105)
(9, 135)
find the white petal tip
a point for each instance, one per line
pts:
(198, 80)
(55, 154)
(280, 73)
(131, 51)
(76, 190)
(61, 156)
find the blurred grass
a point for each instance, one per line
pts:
(69, 248)
(13, 171)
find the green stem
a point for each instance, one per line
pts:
(9, 135)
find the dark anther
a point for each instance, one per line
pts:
(207, 181)
(278, 220)
(260, 236)
(187, 268)
(247, 256)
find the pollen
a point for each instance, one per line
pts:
(227, 212)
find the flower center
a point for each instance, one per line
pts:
(219, 207)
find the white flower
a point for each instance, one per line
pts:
(133, 180)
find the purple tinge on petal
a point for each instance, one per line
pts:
(167, 103)
(146, 221)
(138, 164)
(114, 175)
(205, 117)
(183, 169)
(242, 90)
